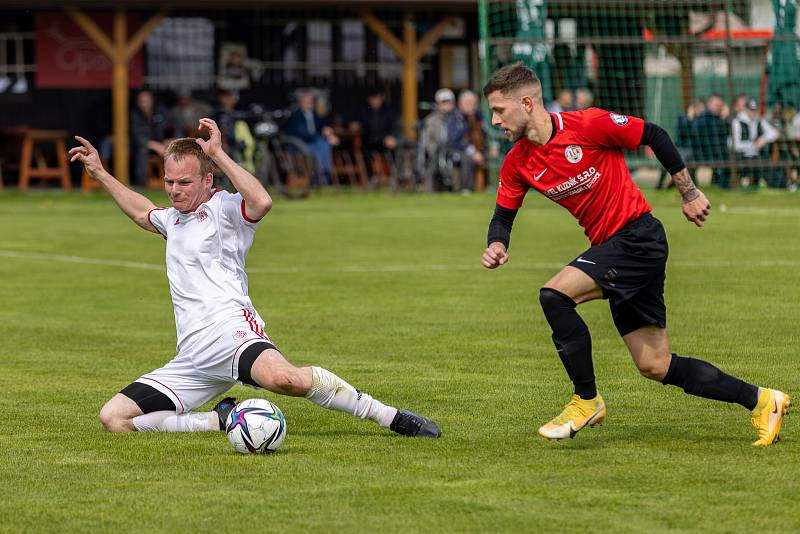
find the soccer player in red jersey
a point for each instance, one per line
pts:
(575, 159)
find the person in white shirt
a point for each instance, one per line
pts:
(751, 136)
(220, 336)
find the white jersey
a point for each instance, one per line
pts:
(206, 252)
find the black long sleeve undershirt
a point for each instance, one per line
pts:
(500, 226)
(664, 149)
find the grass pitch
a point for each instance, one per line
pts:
(387, 292)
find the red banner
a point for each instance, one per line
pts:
(67, 58)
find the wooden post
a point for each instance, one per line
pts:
(410, 52)
(119, 51)
(120, 97)
(410, 84)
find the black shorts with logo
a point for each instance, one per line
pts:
(630, 268)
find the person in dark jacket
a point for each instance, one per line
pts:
(149, 128)
(306, 125)
(711, 133)
(466, 136)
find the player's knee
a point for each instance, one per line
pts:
(112, 421)
(551, 300)
(285, 381)
(654, 368)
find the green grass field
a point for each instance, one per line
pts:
(387, 292)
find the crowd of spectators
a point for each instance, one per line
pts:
(451, 147)
(711, 133)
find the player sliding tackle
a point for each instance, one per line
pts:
(575, 159)
(221, 338)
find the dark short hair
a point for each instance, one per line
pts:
(187, 146)
(510, 78)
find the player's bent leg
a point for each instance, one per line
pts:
(117, 414)
(273, 372)
(649, 348)
(140, 407)
(270, 370)
(576, 284)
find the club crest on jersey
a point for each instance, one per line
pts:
(239, 334)
(202, 215)
(619, 120)
(573, 153)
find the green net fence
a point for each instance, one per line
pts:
(723, 78)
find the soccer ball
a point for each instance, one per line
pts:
(256, 426)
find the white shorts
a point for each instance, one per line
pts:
(210, 365)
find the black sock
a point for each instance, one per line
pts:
(700, 378)
(572, 340)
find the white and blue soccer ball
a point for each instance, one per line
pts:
(256, 426)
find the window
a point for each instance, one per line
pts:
(354, 45)
(320, 48)
(180, 54)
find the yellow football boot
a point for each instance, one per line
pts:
(577, 414)
(768, 415)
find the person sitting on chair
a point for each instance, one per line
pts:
(305, 124)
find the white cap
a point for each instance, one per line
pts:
(444, 95)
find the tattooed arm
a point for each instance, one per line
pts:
(695, 203)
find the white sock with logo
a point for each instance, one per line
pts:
(166, 421)
(330, 391)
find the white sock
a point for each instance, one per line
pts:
(167, 421)
(330, 391)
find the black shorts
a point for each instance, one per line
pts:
(630, 268)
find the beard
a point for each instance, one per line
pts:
(516, 134)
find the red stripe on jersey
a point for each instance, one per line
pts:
(246, 218)
(248, 316)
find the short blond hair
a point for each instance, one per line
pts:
(187, 146)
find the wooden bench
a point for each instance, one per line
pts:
(32, 163)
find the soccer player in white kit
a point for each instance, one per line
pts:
(221, 338)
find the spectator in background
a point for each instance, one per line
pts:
(752, 136)
(739, 104)
(225, 115)
(711, 134)
(376, 122)
(433, 135)
(584, 99)
(467, 137)
(187, 112)
(150, 127)
(563, 102)
(305, 124)
(685, 139)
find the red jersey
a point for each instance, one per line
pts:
(582, 168)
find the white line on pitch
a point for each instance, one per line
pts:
(380, 268)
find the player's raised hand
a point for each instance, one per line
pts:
(494, 256)
(697, 209)
(87, 154)
(213, 146)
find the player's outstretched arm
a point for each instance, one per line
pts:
(133, 204)
(257, 201)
